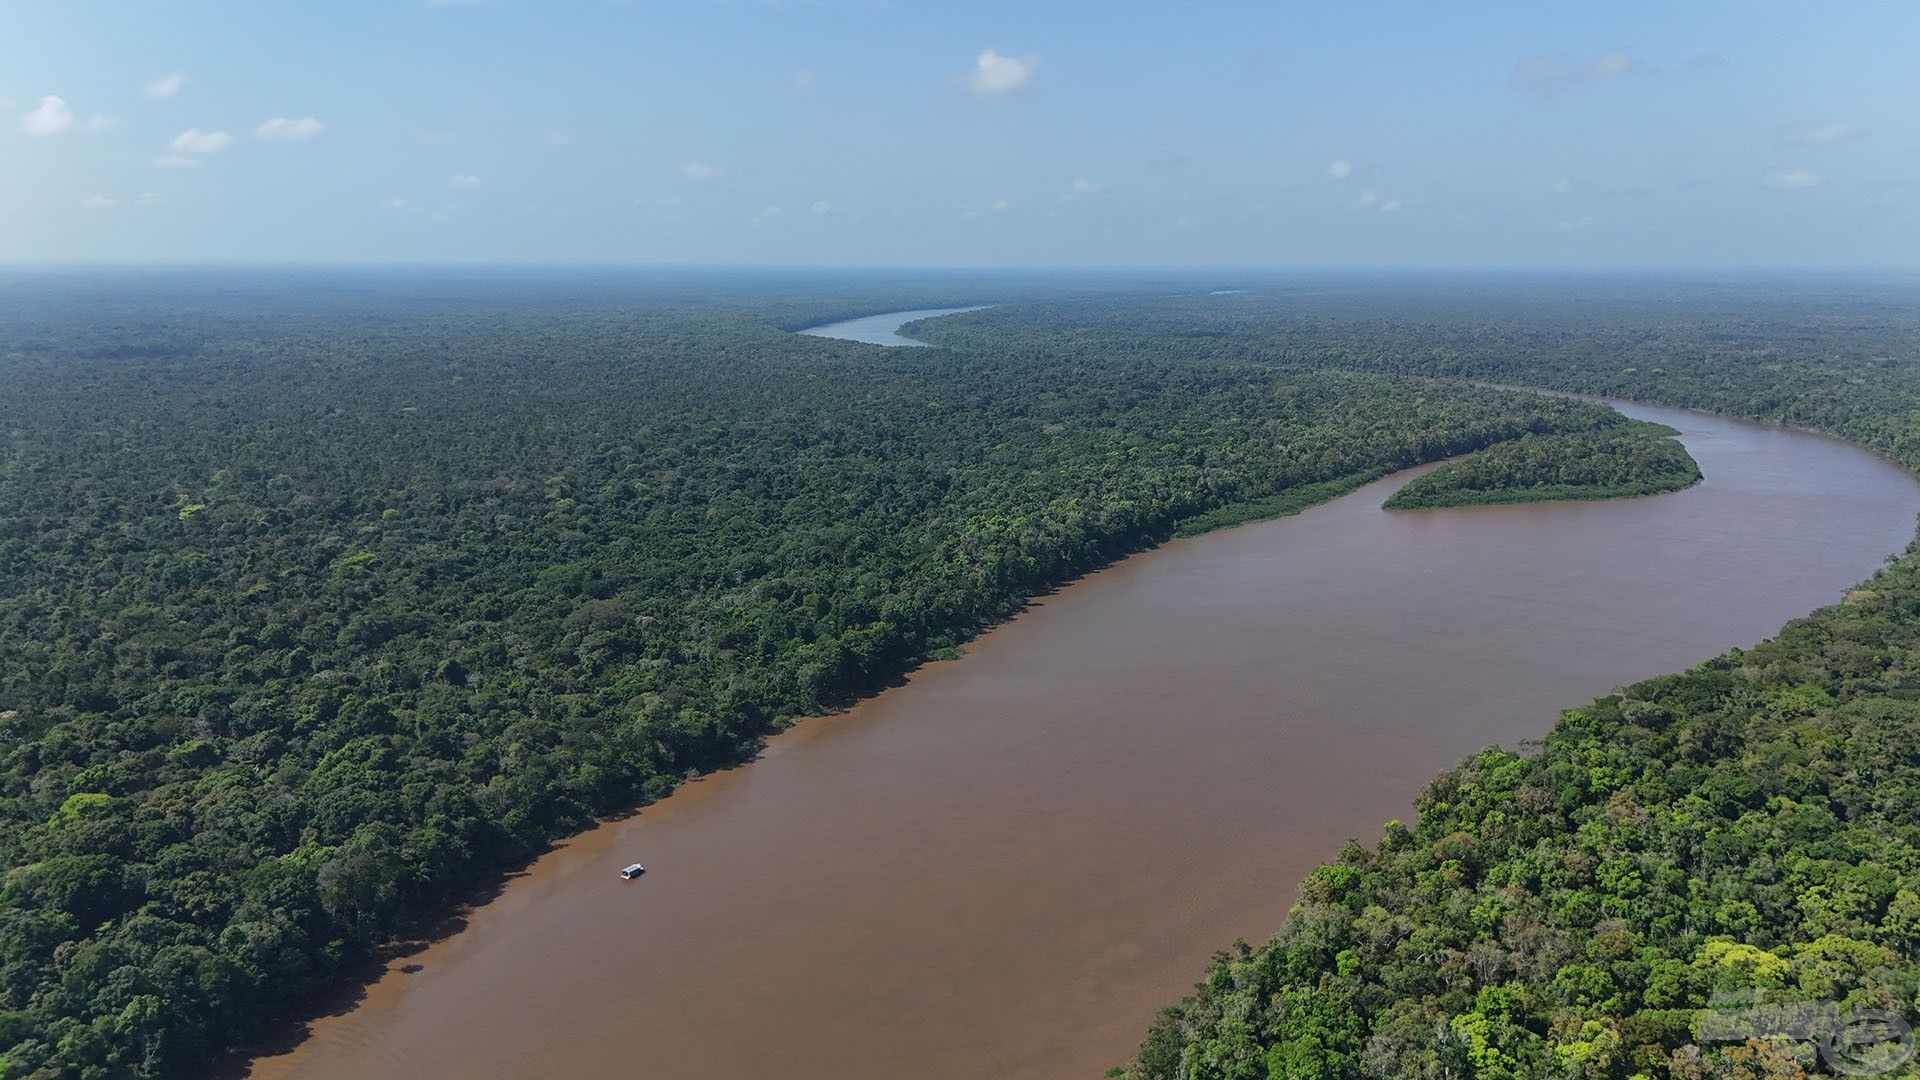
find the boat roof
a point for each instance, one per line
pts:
(636, 866)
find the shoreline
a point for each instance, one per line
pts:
(830, 729)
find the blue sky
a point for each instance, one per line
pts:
(1661, 134)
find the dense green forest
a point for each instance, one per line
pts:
(325, 598)
(1839, 354)
(1635, 458)
(1745, 833)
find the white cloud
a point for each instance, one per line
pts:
(1391, 206)
(695, 170)
(995, 75)
(767, 214)
(1818, 135)
(282, 129)
(1368, 198)
(50, 117)
(1609, 64)
(175, 161)
(463, 180)
(1563, 186)
(803, 78)
(1550, 74)
(167, 87)
(93, 125)
(999, 204)
(1082, 186)
(1339, 170)
(821, 206)
(1793, 179)
(395, 203)
(97, 202)
(195, 141)
(1573, 225)
(150, 198)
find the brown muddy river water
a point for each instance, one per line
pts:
(1004, 867)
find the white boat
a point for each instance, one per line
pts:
(632, 872)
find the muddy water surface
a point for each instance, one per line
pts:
(1002, 868)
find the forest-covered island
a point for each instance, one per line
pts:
(1635, 458)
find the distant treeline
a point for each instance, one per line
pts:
(323, 600)
(1636, 458)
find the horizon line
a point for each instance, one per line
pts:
(69, 265)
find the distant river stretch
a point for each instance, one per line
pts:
(1005, 866)
(883, 329)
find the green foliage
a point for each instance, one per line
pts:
(460, 575)
(1284, 504)
(1633, 459)
(454, 574)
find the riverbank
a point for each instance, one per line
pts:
(1051, 834)
(537, 595)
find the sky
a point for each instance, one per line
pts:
(1376, 133)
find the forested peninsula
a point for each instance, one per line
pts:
(323, 604)
(1635, 458)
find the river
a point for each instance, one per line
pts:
(1003, 867)
(883, 329)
